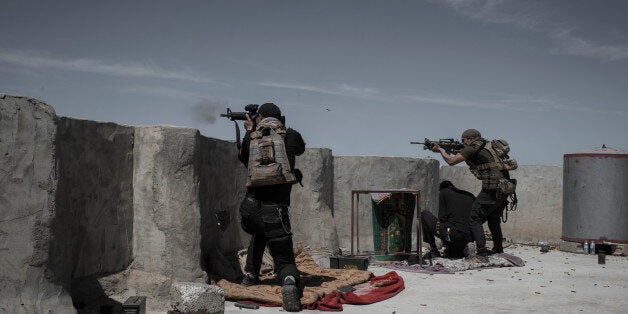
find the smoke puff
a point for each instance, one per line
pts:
(207, 110)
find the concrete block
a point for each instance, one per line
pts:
(28, 185)
(311, 211)
(222, 188)
(192, 297)
(167, 215)
(94, 218)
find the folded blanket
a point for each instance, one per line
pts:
(318, 283)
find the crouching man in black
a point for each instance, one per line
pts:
(268, 151)
(452, 225)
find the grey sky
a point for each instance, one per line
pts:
(359, 77)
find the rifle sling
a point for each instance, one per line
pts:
(238, 142)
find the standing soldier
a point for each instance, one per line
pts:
(268, 151)
(490, 202)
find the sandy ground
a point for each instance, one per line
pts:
(556, 282)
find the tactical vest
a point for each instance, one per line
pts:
(490, 172)
(268, 160)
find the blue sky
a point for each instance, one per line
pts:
(359, 77)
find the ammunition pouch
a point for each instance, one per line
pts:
(507, 186)
(489, 181)
(268, 174)
(476, 172)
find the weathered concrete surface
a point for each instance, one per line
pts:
(167, 211)
(539, 212)
(374, 173)
(28, 184)
(197, 298)
(93, 226)
(311, 211)
(222, 187)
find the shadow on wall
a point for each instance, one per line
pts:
(222, 187)
(92, 228)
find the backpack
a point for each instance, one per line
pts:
(499, 149)
(268, 160)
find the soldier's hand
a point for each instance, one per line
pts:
(248, 124)
(436, 148)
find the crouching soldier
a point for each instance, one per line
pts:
(452, 225)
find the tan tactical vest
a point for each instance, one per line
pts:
(268, 160)
(490, 173)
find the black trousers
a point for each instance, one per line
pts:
(458, 240)
(269, 225)
(488, 207)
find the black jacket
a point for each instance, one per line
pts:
(454, 209)
(295, 146)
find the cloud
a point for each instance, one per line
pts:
(164, 91)
(580, 47)
(37, 60)
(498, 101)
(338, 90)
(369, 93)
(541, 17)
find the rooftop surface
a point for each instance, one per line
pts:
(557, 282)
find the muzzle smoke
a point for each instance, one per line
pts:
(207, 111)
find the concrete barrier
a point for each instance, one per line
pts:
(92, 212)
(539, 190)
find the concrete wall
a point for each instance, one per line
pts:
(539, 190)
(222, 188)
(375, 173)
(92, 229)
(311, 211)
(91, 212)
(28, 184)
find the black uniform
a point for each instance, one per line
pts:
(264, 214)
(454, 207)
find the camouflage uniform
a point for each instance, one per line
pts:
(489, 203)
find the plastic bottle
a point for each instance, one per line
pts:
(592, 248)
(585, 247)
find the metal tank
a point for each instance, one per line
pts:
(595, 196)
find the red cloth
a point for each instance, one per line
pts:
(377, 289)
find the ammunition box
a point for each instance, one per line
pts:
(348, 262)
(135, 305)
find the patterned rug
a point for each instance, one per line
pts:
(449, 266)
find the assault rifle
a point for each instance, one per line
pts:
(448, 144)
(251, 110)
